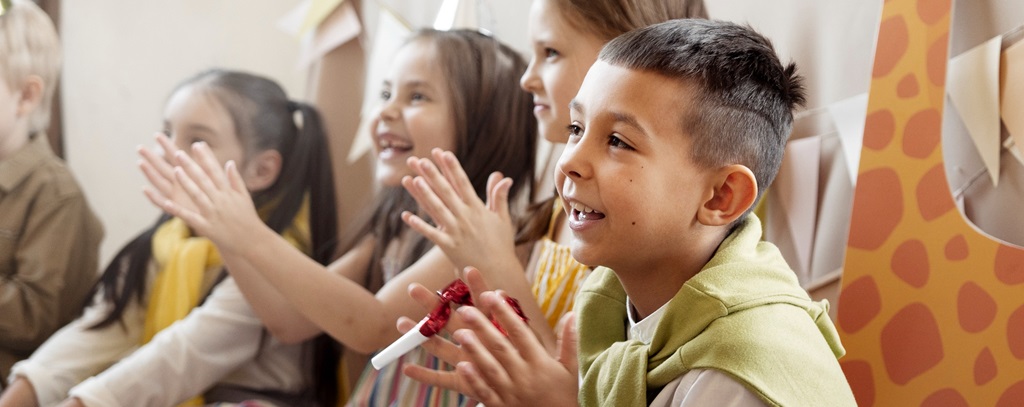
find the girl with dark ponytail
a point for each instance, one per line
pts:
(165, 310)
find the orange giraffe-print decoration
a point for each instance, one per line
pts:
(931, 310)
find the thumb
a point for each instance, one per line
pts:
(497, 197)
(567, 344)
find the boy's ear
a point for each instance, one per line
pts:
(734, 191)
(262, 170)
(31, 95)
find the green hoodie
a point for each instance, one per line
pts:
(744, 314)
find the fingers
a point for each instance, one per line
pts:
(567, 344)
(444, 349)
(453, 172)
(438, 378)
(163, 183)
(519, 333)
(475, 282)
(428, 200)
(158, 200)
(490, 352)
(235, 181)
(497, 197)
(169, 148)
(429, 231)
(437, 181)
(478, 386)
(200, 198)
(157, 162)
(426, 298)
(203, 156)
(198, 178)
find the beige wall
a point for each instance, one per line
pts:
(122, 58)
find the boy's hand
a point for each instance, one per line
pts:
(469, 231)
(499, 370)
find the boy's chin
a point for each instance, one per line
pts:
(586, 256)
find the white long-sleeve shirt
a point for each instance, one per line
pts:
(219, 342)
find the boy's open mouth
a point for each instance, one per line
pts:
(582, 212)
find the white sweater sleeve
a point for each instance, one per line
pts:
(183, 360)
(76, 352)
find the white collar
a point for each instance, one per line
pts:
(643, 330)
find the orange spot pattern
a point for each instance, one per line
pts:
(945, 398)
(879, 129)
(931, 311)
(976, 309)
(984, 367)
(910, 263)
(911, 343)
(865, 292)
(956, 248)
(922, 134)
(907, 87)
(885, 208)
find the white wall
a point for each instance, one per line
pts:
(123, 57)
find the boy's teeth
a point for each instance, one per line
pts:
(581, 208)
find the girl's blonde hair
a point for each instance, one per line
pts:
(29, 47)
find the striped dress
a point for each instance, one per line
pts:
(389, 387)
(555, 274)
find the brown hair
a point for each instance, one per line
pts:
(611, 18)
(495, 130)
(744, 96)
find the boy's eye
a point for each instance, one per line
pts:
(385, 94)
(551, 53)
(618, 143)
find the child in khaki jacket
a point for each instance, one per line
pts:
(49, 237)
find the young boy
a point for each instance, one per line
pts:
(49, 237)
(676, 131)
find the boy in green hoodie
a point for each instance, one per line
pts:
(676, 132)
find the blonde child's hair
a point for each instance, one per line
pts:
(29, 46)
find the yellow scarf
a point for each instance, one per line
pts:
(183, 260)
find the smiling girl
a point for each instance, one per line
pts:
(453, 90)
(566, 37)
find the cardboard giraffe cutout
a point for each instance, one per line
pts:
(931, 310)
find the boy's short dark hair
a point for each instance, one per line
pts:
(743, 110)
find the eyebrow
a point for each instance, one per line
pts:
(619, 117)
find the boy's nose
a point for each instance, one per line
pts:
(572, 163)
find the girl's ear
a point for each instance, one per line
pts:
(262, 170)
(734, 191)
(31, 95)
